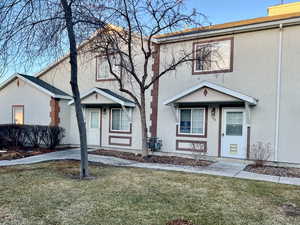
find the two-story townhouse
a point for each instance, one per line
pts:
(246, 93)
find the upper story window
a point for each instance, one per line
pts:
(213, 56)
(103, 69)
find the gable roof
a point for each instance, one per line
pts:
(216, 87)
(39, 84)
(110, 95)
(257, 23)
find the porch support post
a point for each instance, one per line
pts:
(175, 113)
(84, 113)
(248, 126)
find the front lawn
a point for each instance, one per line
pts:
(51, 194)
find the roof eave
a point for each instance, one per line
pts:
(232, 30)
(7, 81)
(252, 101)
(96, 90)
(63, 97)
(17, 75)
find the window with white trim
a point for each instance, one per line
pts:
(192, 121)
(18, 114)
(120, 120)
(213, 56)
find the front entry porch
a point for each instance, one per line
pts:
(108, 118)
(212, 119)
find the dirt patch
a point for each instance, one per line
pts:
(179, 222)
(153, 159)
(291, 210)
(20, 153)
(274, 171)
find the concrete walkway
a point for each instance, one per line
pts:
(226, 169)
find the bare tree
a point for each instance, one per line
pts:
(35, 30)
(128, 43)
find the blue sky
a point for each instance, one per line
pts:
(217, 11)
(221, 11)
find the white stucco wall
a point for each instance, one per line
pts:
(36, 103)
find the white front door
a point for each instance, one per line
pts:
(233, 133)
(93, 126)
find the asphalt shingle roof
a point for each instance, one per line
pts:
(44, 85)
(115, 95)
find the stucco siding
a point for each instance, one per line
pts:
(207, 95)
(96, 98)
(59, 76)
(36, 103)
(64, 117)
(289, 128)
(254, 74)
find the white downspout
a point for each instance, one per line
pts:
(278, 92)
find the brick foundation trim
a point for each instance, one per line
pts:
(54, 112)
(154, 91)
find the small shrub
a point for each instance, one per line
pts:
(33, 135)
(261, 153)
(53, 136)
(3, 142)
(199, 151)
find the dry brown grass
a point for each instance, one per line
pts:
(48, 194)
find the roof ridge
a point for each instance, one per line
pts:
(231, 24)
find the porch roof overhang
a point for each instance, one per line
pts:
(235, 95)
(111, 98)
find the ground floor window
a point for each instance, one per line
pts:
(119, 120)
(18, 114)
(192, 121)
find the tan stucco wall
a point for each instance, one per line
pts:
(36, 103)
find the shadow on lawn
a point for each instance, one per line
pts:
(65, 168)
(179, 222)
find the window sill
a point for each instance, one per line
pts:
(108, 79)
(211, 72)
(190, 135)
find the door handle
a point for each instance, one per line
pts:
(223, 134)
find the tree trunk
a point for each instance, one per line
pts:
(145, 150)
(75, 90)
